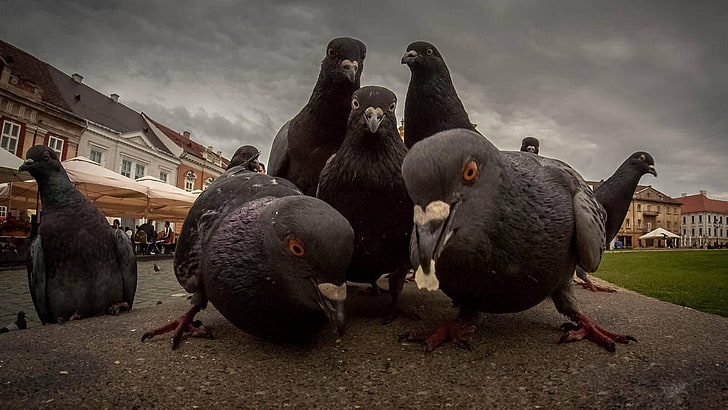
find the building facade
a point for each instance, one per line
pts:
(650, 209)
(704, 222)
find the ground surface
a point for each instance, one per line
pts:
(681, 360)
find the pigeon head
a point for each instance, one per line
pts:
(530, 144)
(372, 106)
(642, 162)
(344, 60)
(311, 243)
(247, 157)
(41, 161)
(422, 56)
(448, 176)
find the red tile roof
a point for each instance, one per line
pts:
(185, 143)
(701, 203)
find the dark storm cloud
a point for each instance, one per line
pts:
(594, 81)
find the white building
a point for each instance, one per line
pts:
(704, 221)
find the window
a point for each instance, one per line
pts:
(10, 134)
(626, 223)
(639, 207)
(685, 219)
(700, 219)
(692, 219)
(163, 175)
(710, 232)
(3, 211)
(95, 156)
(639, 224)
(659, 208)
(649, 208)
(56, 144)
(138, 171)
(692, 232)
(189, 185)
(649, 226)
(126, 168)
(700, 231)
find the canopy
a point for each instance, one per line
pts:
(9, 165)
(659, 233)
(113, 193)
(165, 201)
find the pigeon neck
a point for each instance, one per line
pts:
(56, 190)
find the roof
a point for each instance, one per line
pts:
(701, 203)
(186, 143)
(29, 68)
(640, 188)
(101, 109)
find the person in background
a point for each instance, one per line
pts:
(116, 224)
(261, 168)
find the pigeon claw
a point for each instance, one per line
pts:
(183, 324)
(586, 329)
(456, 332)
(116, 308)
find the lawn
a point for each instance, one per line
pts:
(698, 279)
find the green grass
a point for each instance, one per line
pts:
(697, 279)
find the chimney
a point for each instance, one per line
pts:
(703, 192)
(186, 134)
(115, 97)
(77, 77)
(684, 194)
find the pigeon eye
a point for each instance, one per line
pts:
(296, 247)
(429, 52)
(470, 171)
(355, 103)
(642, 157)
(46, 156)
(392, 106)
(331, 52)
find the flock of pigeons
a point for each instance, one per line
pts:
(346, 200)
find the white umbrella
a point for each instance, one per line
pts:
(659, 233)
(9, 165)
(165, 201)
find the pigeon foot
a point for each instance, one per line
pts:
(117, 307)
(589, 285)
(183, 324)
(456, 332)
(586, 329)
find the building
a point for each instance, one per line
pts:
(199, 165)
(704, 221)
(650, 209)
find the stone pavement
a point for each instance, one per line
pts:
(152, 287)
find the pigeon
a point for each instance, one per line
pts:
(432, 103)
(530, 144)
(302, 146)
(18, 324)
(245, 156)
(615, 194)
(271, 260)
(499, 232)
(364, 182)
(157, 268)
(79, 267)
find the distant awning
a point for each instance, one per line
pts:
(659, 233)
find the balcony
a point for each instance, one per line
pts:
(650, 213)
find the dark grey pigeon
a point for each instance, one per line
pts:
(19, 324)
(432, 103)
(364, 182)
(270, 259)
(499, 232)
(615, 194)
(246, 157)
(304, 144)
(79, 266)
(530, 144)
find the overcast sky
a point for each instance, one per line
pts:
(594, 81)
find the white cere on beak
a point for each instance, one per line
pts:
(436, 210)
(333, 292)
(427, 281)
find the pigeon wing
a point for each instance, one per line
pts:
(278, 159)
(37, 280)
(127, 265)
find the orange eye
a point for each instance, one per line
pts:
(295, 247)
(470, 171)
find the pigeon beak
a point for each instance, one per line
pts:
(331, 299)
(409, 57)
(432, 230)
(350, 69)
(25, 165)
(652, 170)
(373, 117)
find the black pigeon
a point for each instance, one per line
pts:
(304, 144)
(432, 103)
(615, 194)
(499, 232)
(530, 144)
(18, 324)
(246, 157)
(157, 268)
(364, 182)
(270, 259)
(79, 266)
